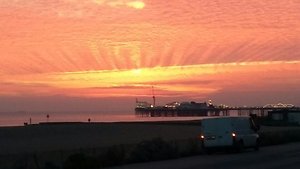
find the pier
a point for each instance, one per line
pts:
(209, 111)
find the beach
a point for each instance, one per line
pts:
(54, 142)
(69, 136)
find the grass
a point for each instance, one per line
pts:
(158, 149)
(279, 137)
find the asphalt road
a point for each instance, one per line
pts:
(272, 157)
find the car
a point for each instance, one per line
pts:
(229, 132)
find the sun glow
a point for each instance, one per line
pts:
(137, 72)
(136, 4)
(121, 3)
(197, 80)
(102, 54)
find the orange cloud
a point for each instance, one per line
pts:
(198, 80)
(121, 3)
(101, 48)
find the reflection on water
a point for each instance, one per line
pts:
(19, 118)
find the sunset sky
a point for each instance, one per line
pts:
(77, 55)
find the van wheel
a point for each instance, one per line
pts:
(256, 147)
(239, 146)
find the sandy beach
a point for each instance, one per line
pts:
(25, 145)
(68, 136)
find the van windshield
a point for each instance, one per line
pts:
(216, 126)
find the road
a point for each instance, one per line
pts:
(273, 157)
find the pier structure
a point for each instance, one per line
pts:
(166, 111)
(242, 111)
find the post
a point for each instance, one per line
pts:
(153, 96)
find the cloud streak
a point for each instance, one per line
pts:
(101, 48)
(120, 3)
(202, 80)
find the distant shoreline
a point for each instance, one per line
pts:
(133, 120)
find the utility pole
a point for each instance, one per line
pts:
(153, 96)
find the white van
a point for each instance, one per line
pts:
(235, 132)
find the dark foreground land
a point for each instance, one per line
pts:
(70, 136)
(273, 157)
(50, 146)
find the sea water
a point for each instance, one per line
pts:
(22, 118)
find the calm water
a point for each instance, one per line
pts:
(19, 118)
